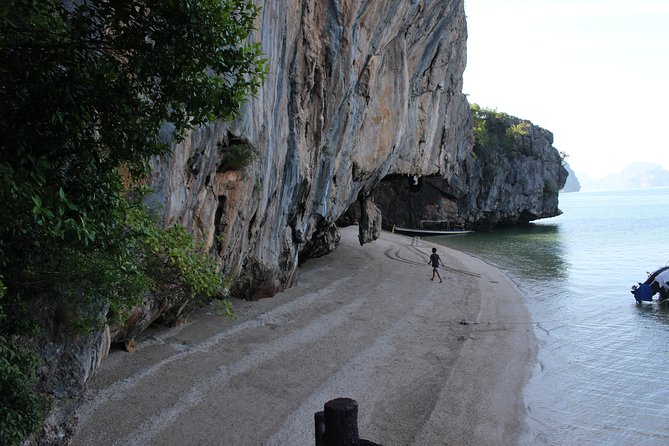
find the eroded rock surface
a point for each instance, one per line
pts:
(515, 184)
(356, 90)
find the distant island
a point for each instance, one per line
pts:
(634, 175)
(572, 184)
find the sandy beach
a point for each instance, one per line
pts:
(429, 363)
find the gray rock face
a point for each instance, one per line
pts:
(572, 184)
(500, 185)
(69, 359)
(356, 90)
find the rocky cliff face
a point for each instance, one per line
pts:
(507, 182)
(572, 184)
(356, 90)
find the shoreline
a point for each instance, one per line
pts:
(428, 362)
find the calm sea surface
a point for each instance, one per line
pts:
(602, 376)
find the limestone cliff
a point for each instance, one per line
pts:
(356, 90)
(572, 184)
(507, 180)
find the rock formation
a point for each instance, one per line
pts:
(572, 184)
(651, 178)
(356, 90)
(508, 182)
(638, 174)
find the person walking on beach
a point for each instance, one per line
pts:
(434, 261)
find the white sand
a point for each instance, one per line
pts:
(364, 322)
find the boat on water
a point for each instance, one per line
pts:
(421, 231)
(656, 283)
(429, 232)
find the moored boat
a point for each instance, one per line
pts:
(656, 283)
(430, 232)
(437, 227)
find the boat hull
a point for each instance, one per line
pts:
(429, 232)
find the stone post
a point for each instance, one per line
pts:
(337, 425)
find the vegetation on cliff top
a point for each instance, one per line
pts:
(86, 87)
(495, 130)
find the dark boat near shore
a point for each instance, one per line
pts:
(657, 282)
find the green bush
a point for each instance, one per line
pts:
(516, 131)
(494, 131)
(171, 256)
(23, 408)
(237, 155)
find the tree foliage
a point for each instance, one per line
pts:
(495, 130)
(86, 89)
(22, 408)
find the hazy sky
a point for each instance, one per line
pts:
(593, 72)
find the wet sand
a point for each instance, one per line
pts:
(429, 363)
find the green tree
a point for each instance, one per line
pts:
(89, 91)
(494, 130)
(479, 125)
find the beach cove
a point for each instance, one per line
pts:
(429, 363)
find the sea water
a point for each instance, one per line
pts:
(602, 372)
